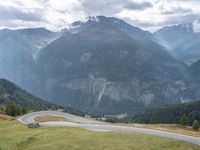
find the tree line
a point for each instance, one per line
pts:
(186, 113)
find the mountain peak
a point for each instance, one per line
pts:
(185, 27)
(91, 19)
(107, 22)
(188, 27)
(94, 18)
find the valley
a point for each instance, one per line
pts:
(99, 75)
(120, 74)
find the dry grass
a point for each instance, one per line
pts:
(163, 127)
(170, 128)
(51, 118)
(15, 136)
(6, 117)
(175, 128)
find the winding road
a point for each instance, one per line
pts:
(90, 124)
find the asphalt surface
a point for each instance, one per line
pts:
(90, 124)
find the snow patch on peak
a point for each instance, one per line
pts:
(185, 27)
(78, 24)
(196, 25)
(73, 27)
(93, 18)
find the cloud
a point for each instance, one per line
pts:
(111, 7)
(176, 10)
(105, 7)
(163, 13)
(196, 25)
(137, 6)
(11, 13)
(55, 14)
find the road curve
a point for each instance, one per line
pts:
(29, 118)
(101, 126)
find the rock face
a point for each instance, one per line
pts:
(104, 65)
(182, 42)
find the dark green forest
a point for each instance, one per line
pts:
(170, 114)
(17, 101)
(9, 92)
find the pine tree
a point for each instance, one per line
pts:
(183, 120)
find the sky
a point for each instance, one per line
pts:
(149, 15)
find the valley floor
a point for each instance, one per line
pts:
(15, 136)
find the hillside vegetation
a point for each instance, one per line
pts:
(12, 95)
(10, 92)
(170, 114)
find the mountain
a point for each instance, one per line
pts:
(134, 32)
(16, 61)
(170, 114)
(195, 70)
(181, 41)
(37, 37)
(18, 49)
(9, 92)
(104, 66)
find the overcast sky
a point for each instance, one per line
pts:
(56, 14)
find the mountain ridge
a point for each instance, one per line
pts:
(91, 68)
(181, 41)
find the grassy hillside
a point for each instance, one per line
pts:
(65, 138)
(9, 92)
(170, 114)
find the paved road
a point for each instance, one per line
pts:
(101, 126)
(28, 118)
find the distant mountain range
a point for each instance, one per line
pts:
(39, 37)
(182, 42)
(102, 65)
(18, 49)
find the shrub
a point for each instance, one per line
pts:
(13, 109)
(195, 125)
